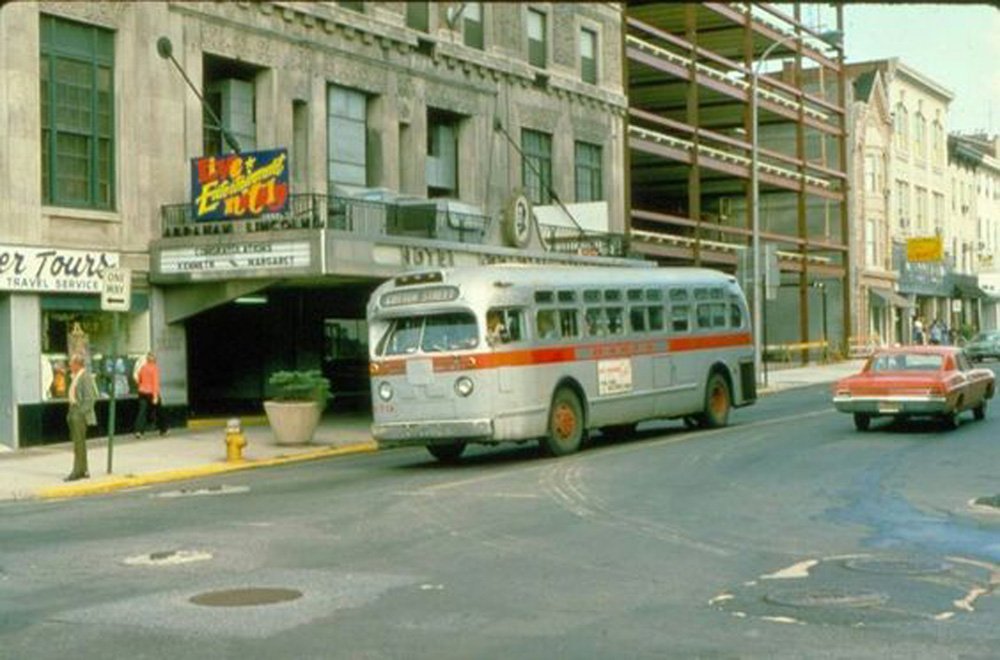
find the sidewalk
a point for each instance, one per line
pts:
(188, 453)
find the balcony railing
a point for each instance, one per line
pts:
(372, 219)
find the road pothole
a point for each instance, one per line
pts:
(168, 558)
(249, 596)
(897, 566)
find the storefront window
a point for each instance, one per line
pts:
(65, 332)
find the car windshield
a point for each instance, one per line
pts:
(987, 336)
(433, 333)
(906, 362)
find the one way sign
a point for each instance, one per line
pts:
(116, 290)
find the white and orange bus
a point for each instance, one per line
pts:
(512, 353)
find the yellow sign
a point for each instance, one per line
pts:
(924, 249)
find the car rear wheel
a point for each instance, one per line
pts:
(566, 427)
(862, 421)
(447, 453)
(979, 412)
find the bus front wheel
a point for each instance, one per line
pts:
(447, 453)
(717, 402)
(566, 429)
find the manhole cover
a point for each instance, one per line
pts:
(827, 598)
(245, 597)
(898, 566)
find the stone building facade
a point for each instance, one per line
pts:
(453, 105)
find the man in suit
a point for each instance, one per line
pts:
(82, 396)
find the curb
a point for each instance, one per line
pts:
(116, 483)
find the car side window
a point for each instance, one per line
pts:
(963, 362)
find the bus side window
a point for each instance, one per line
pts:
(567, 323)
(616, 320)
(637, 319)
(503, 326)
(679, 321)
(703, 314)
(595, 322)
(656, 318)
(545, 324)
(735, 316)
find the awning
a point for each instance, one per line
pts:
(891, 298)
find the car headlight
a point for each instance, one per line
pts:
(384, 391)
(464, 386)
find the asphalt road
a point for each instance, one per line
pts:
(787, 534)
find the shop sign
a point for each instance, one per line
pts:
(924, 249)
(53, 269)
(229, 257)
(237, 186)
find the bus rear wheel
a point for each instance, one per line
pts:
(447, 453)
(566, 428)
(717, 403)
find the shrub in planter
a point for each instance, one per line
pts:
(299, 386)
(296, 404)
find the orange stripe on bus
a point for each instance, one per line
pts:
(557, 354)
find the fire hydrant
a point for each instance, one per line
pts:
(235, 441)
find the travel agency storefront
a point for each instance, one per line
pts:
(49, 309)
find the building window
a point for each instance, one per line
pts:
(902, 125)
(871, 174)
(588, 173)
(903, 203)
(921, 136)
(588, 56)
(537, 41)
(76, 70)
(472, 25)
(921, 209)
(346, 127)
(442, 153)
(870, 252)
(417, 16)
(536, 166)
(939, 211)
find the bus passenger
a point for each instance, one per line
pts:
(546, 327)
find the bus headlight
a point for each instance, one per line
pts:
(463, 386)
(384, 391)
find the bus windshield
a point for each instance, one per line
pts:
(433, 333)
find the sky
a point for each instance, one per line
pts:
(956, 46)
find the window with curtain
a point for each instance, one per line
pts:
(588, 172)
(588, 56)
(417, 16)
(76, 74)
(536, 167)
(472, 25)
(537, 41)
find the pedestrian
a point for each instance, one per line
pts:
(918, 331)
(149, 397)
(82, 396)
(936, 332)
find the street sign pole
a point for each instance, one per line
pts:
(114, 378)
(116, 296)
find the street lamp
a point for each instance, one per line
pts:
(829, 37)
(165, 49)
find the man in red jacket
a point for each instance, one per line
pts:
(149, 396)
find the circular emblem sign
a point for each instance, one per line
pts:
(517, 222)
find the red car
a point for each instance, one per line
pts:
(915, 381)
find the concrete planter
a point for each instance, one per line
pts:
(293, 422)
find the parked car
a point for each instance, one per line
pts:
(915, 381)
(984, 345)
